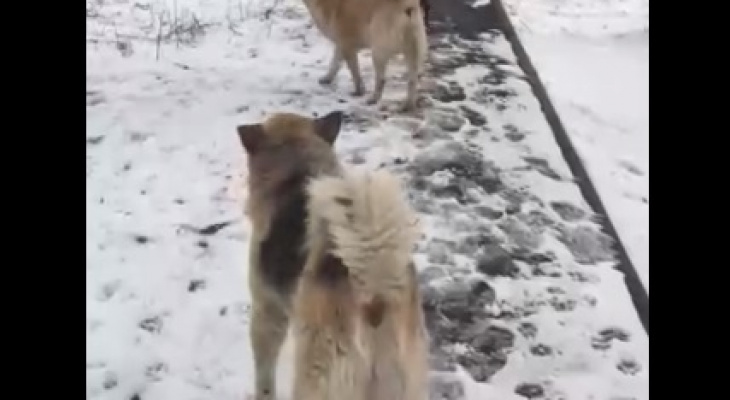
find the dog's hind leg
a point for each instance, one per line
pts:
(413, 66)
(380, 64)
(415, 51)
(350, 57)
(311, 369)
(326, 369)
(334, 68)
(416, 387)
(269, 324)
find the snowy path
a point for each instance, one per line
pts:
(167, 307)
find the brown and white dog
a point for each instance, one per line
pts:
(331, 251)
(387, 27)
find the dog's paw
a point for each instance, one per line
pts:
(260, 397)
(407, 106)
(326, 80)
(372, 100)
(358, 92)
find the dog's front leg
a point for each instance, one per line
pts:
(413, 72)
(269, 325)
(334, 68)
(354, 67)
(380, 64)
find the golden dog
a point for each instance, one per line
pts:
(387, 27)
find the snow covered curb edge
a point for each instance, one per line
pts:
(639, 295)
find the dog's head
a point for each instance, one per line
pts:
(287, 147)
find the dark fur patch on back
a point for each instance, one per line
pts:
(331, 271)
(282, 254)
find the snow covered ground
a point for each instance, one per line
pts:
(593, 57)
(167, 305)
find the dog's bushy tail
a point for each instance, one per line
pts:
(371, 226)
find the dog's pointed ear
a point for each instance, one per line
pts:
(252, 137)
(328, 127)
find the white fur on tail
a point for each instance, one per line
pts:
(370, 223)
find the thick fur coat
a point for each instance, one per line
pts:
(331, 251)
